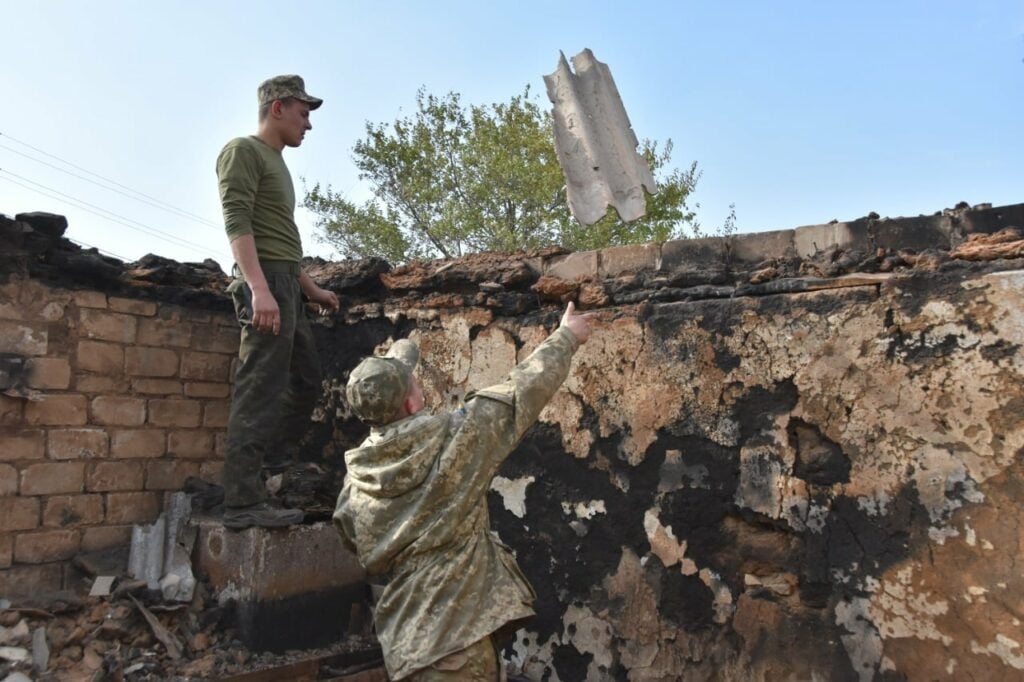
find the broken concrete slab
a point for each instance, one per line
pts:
(595, 143)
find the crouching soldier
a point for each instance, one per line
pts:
(414, 507)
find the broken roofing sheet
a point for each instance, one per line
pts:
(595, 143)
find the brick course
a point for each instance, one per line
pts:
(100, 357)
(77, 443)
(45, 546)
(57, 410)
(104, 326)
(114, 476)
(53, 478)
(174, 412)
(118, 411)
(49, 373)
(138, 443)
(133, 507)
(71, 511)
(150, 362)
(23, 445)
(19, 513)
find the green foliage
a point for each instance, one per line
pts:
(452, 179)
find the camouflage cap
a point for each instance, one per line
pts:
(378, 386)
(283, 87)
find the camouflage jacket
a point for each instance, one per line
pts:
(414, 508)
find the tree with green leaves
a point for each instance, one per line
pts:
(452, 179)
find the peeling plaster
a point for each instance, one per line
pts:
(513, 493)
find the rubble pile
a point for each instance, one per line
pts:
(132, 634)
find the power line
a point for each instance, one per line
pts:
(181, 240)
(104, 251)
(81, 205)
(147, 199)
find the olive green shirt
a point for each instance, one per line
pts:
(414, 508)
(258, 198)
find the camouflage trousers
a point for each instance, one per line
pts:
(276, 386)
(476, 663)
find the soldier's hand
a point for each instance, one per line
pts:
(266, 315)
(327, 301)
(579, 325)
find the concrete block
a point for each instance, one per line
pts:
(619, 260)
(294, 586)
(924, 232)
(751, 249)
(811, 239)
(572, 266)
(692, 254)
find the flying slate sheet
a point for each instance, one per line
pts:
(595, 143)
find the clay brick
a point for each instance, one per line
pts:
(90, 299)
(133, 507)
(49, 373)
(12, 411)
(10, 311)
(220, 444)
(169, 474)
(138, 443)
(77, 443)
(71, 511)
(53, 478)
(108, 326)
(95, 383)
(27, 581)
(45, 546)
(8, 480)
(205, 366)
(57, 410)
(150, 362)
(6, 550)
(174, 412)
(118, 411)
(216, 339)
(24, 445)
(192, 443)
(22, 339)
(132, 305)
(102, 537)
(52, 311)
(212, 472)
(19, 513)
(160, 332)
(99, 357)
(215, 415)
(582, 264)
(207, 390)
(158, 386)
(114, 476)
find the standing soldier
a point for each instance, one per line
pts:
(278, 375)
(414, 507)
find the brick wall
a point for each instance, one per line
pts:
(109, 403)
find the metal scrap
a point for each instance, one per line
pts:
(595, 142)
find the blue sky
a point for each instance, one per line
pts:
(796, 112)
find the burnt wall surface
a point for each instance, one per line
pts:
(789, 455)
